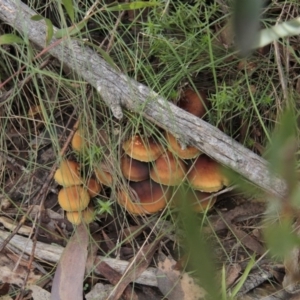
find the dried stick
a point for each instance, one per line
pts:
(117, 90)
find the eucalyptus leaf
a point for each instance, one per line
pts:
(9, 39)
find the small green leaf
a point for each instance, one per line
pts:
(132, 5)
(68, 4)
(104, 207)
(8, 39)
(49, 34)
(37, 18)
(70, 31)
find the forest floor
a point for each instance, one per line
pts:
(219, 247)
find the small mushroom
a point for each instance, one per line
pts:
(103, 175)
(143, 149)
(93, 187)
(134, 170)
(68, 174)
(76, 217)
(73, 198)
(206, 175)
(174, 146)
(78, 142)
(168, 170)
(144, 197)
(192, 103)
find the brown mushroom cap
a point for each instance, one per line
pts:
(73, 198)
(206, 175)
(134, 170)
(174, 146)
(68, 174)
(103, 176)
(142, 149)
(152, 197)
(192, 103)
(200, 201)
(76, 217)
(93, 187)
(168, 170)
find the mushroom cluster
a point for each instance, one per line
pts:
(151, 174)
(151, 171)
(75, 195)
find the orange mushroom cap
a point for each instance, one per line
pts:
(93, 187)
(76, 217)
(192, 103)
(68, 174)
(206, 175)
(78, 142)
(134, 170)
(174, 146)
(103, 176)
(151, 197)
(73, 198)
(142, 149)
(168, 170)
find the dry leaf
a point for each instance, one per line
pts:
(232, 273)
(69, 275)
(10, 273)
(248, 241)
(6, 297)
(99, 291)
(173, 284)
(39, 293)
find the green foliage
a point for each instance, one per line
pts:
(104, 207)
(198, 248)
(132, 5)
(281, 155)
(68, 5)
(243, 278)
(280, 238)
(9, 39)
(177, 45)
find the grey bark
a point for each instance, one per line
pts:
(118, 91)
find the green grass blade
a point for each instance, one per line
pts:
(68, 4)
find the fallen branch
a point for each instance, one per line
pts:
(117, 90)
(52, 253)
